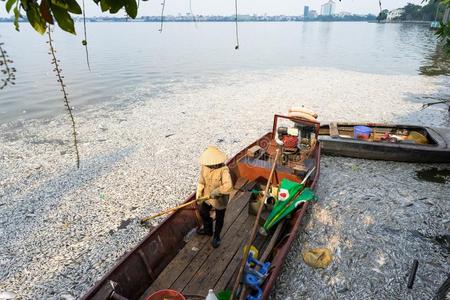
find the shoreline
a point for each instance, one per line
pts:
(130, 98)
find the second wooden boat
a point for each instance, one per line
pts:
(172, 256)
(406, 143)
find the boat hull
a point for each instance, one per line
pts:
(414, 153)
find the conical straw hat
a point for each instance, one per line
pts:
(212, 156)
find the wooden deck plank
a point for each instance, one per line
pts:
(228, 277)
(187, 255)
(192, 268)
(197, 263)
(230, 270)
(217, 262)
(178, 264)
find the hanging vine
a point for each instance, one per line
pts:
(6, 69)
(84, 42)
(60, 77)
(236, 24)
(163, 4)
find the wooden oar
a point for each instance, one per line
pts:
(255, 228)
(199, 200)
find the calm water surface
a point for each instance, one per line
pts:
(125, 55)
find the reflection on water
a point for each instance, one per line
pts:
(436, 63)
(125, 56)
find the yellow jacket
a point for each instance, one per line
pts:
(215, 181)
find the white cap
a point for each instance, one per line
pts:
(211, 295)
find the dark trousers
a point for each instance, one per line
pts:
(205, 208)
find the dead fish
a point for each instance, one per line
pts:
(7, 295)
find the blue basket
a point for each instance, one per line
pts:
(361, 130)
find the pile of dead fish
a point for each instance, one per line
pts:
(376, 218)
(62, 228)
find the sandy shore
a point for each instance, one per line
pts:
(63, 228)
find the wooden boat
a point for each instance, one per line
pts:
(387, 142)
(172, 256)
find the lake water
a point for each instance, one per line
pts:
(126, 55)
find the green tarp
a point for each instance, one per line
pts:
(287, 202)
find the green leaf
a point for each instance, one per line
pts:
(69, 5)
(45, 12)
(16, 18)
(104, 5)
(116, 6)
(74, 7)
(131, 8)
(35, 18)
(60, 3)
(9, 5)
(24, 4)
(63, 18)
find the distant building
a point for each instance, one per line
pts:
(328, 8)
(306, 11)
(312, 14)
(395, 14)
(344, 13)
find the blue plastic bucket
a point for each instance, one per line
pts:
(362, 132)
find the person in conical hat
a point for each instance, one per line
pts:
(214, 183)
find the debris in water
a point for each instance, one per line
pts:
(434, 175)
(318, 257)
(124, 223)
(444, 241)
(412, 274)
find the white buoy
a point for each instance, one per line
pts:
(211, 295)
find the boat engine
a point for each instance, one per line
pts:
(297, 143)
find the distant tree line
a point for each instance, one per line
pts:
(429, 12)
(433, 10)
